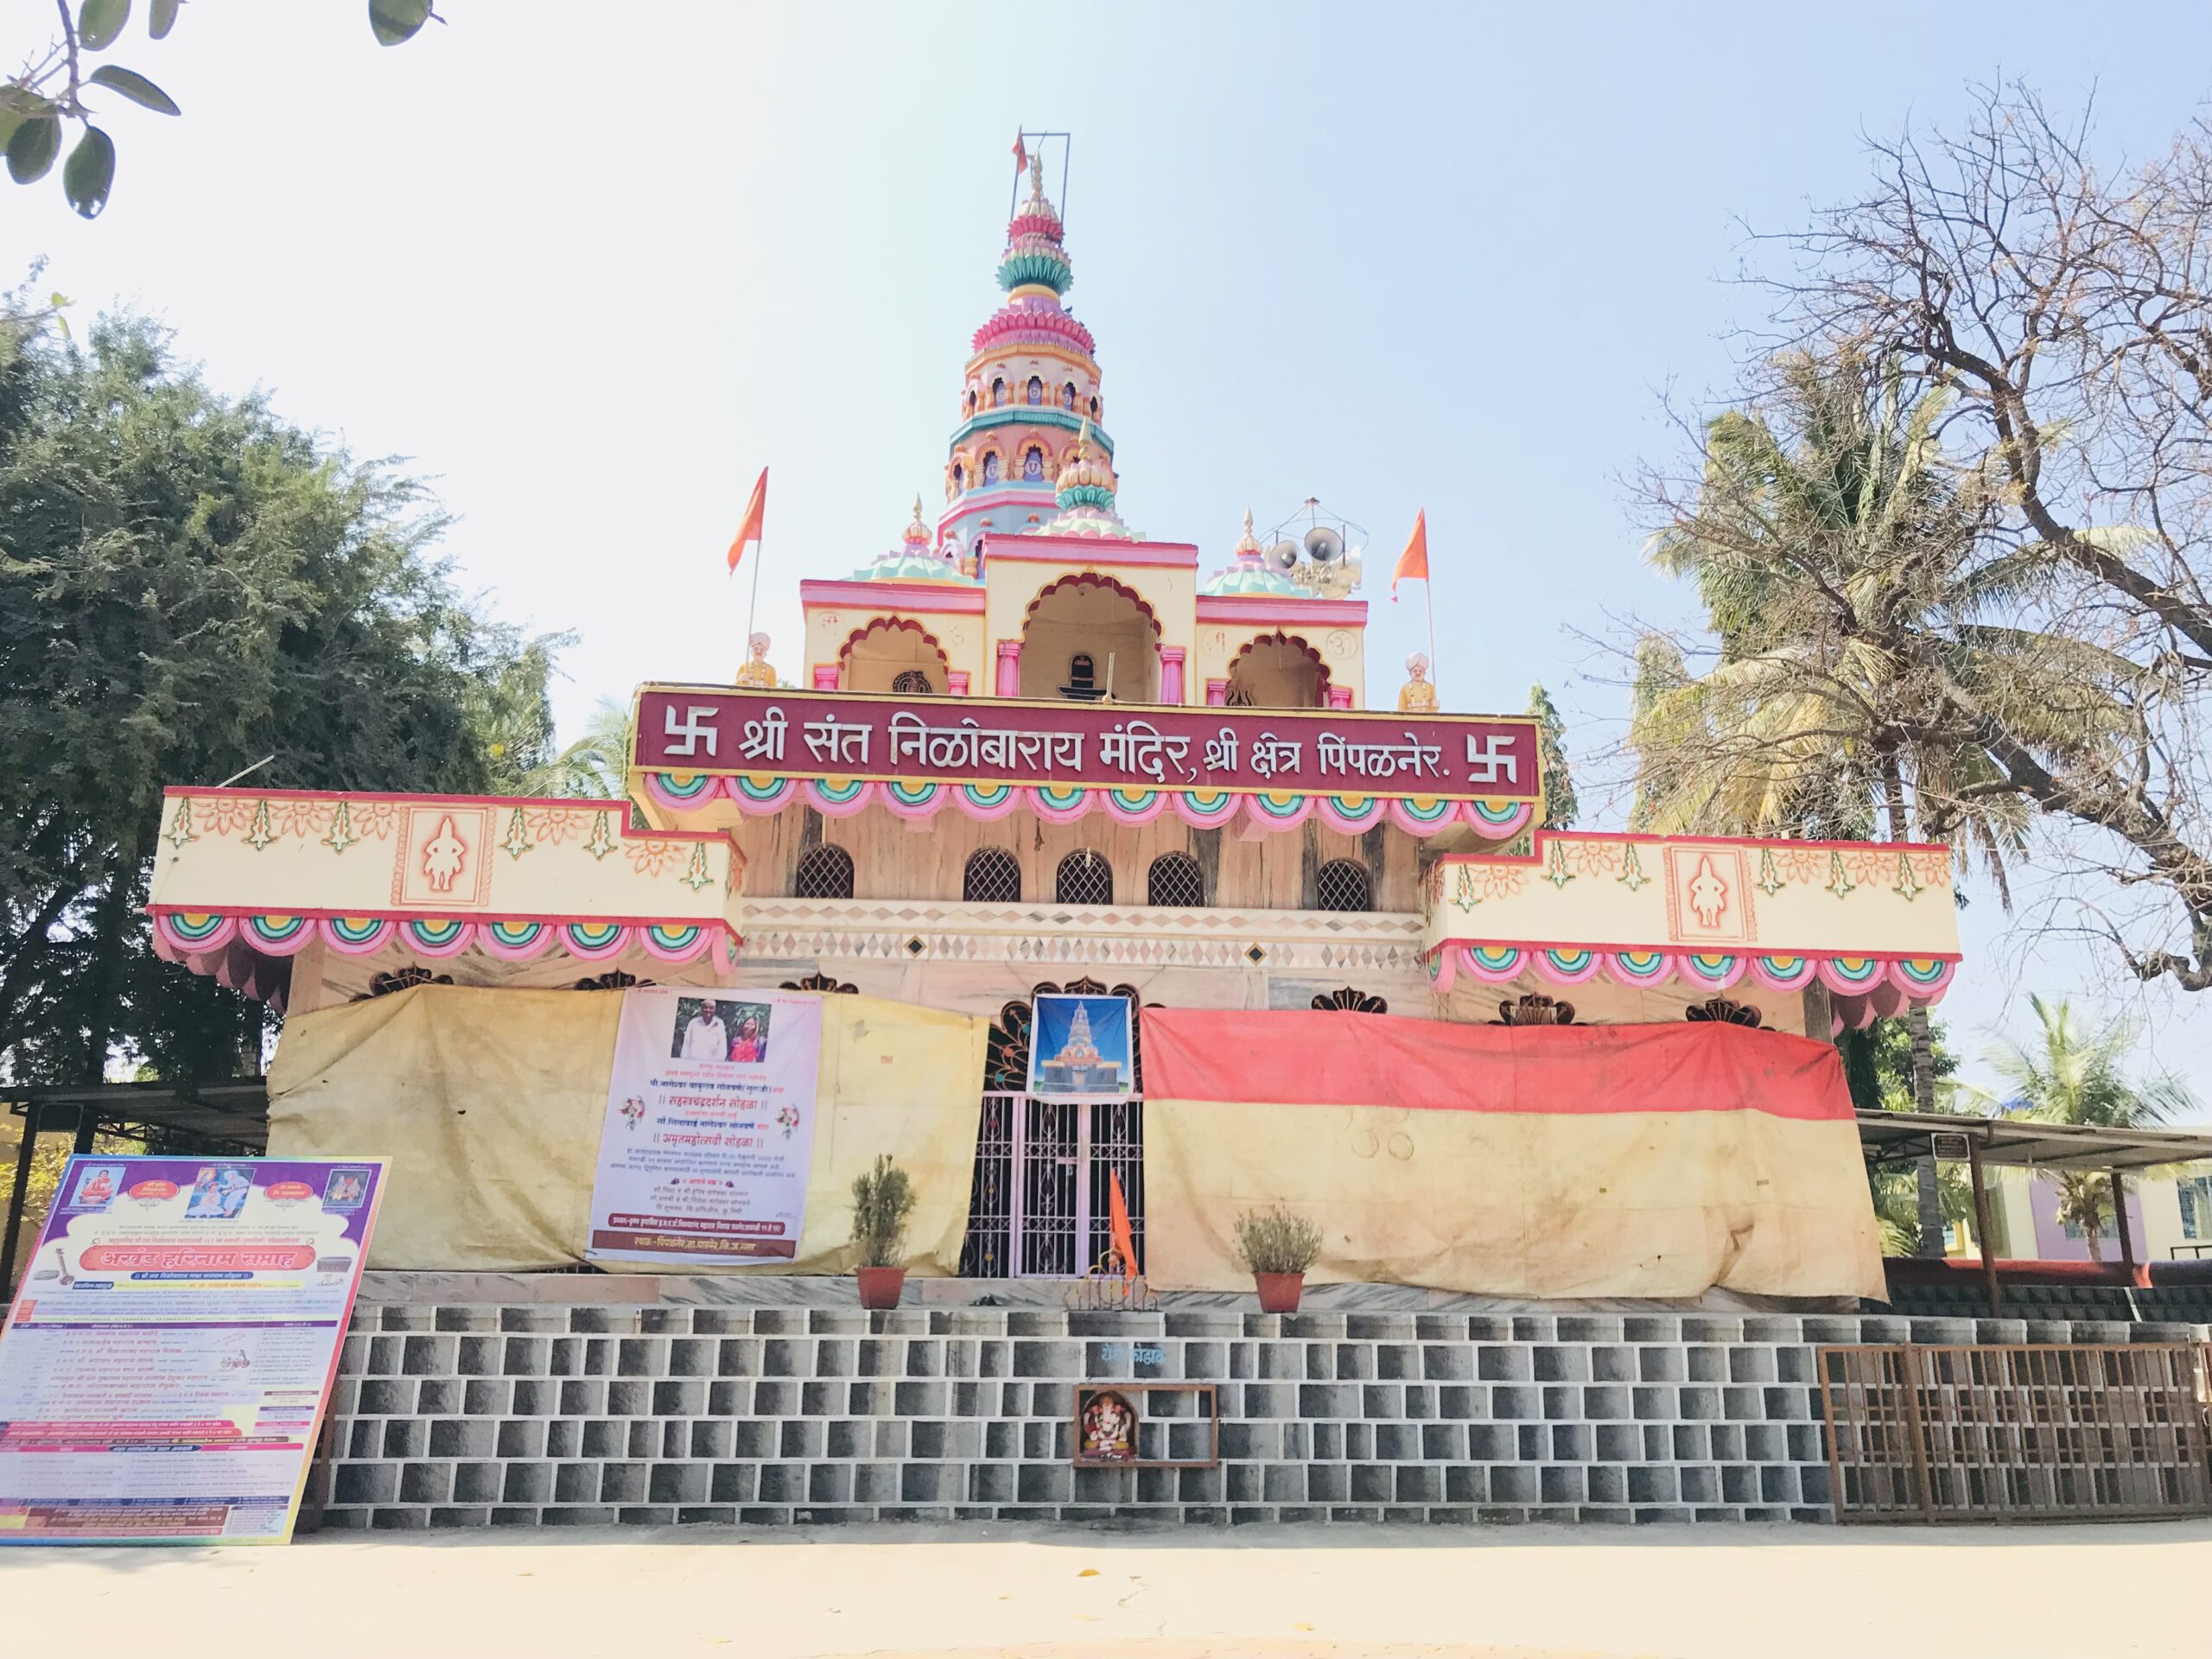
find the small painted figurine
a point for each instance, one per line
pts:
(756, 671)
(1417, 695)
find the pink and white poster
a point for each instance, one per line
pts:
(709, 1131)
(171, 1350)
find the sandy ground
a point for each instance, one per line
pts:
(1344, 1592)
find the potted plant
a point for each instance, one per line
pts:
(882, 1199)
(1278, 1247)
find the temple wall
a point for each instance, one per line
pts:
(893, 858)
(461, 1414)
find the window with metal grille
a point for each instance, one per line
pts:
(1343, 884)
(1174, 881)
(912, 684)
(1083, 878)
(825, 873)
(992, 877)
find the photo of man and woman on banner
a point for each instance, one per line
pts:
(708, 1028)
(709, 1129)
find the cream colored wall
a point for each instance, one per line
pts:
(894, 859)
(1343, 649)
(961, 634)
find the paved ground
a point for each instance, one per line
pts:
(1344, 1592)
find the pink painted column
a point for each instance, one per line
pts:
(1217, 694)
(956, 682)
(826, 676)
(1171, 674)
(1340, 696)
(1009, 684)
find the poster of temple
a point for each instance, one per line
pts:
(1080, 1048)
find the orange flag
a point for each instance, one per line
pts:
(1117, 1215)
(1413, 563)
(755, 509)
(1020, 153)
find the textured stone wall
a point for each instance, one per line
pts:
(477, 1415)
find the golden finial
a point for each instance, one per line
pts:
(1037, 174)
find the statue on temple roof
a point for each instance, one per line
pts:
(755, 672)
(1417, 695)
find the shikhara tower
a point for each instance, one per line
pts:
(1030, 388)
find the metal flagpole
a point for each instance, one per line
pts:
(760, 551)
(1428, 598)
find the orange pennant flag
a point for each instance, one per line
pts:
(1020, 152)
(755, 509)
(1413, 563)
(1117, 1215)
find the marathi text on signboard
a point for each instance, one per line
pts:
(172, 1347)
(804, 735)
(710, 1130)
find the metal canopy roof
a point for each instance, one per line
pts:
(2025, 1143)
(231, 1115)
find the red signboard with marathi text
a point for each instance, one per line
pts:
(1119, 745)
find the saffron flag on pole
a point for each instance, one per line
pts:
(1413, 563)
(1020, 153)
(755, 509)
(1117, 1214)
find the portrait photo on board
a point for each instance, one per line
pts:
(710, 1028)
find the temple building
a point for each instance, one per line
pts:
(1031, 746)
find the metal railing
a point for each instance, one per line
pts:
(2018, 1433)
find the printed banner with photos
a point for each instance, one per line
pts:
(709, 1129)
(171, 1353)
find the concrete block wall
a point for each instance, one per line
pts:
(480, 1416)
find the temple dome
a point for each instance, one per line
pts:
(1247, 572)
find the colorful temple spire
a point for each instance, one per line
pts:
(1031, 390)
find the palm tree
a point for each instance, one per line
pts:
(2072, 1073)
(1843, 563)
(595, 765)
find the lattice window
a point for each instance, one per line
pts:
(1175, 882)
(913, 682)
(1084, 878)
(992, 877)
(1343, 884)
(825, 873)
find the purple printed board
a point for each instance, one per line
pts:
(987, 742)
(172, 1347)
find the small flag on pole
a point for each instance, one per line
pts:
(1117, 1214)
(755, 509)
(1020, 153)
(1413, 563)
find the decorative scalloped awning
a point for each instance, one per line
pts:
(480, 888)
(756, 796)
(1873, 922)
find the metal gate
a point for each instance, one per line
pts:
(2018, 1433)
(1039, 1205)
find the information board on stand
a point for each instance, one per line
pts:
(167, 1363)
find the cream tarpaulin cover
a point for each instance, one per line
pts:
(1537, 1162)
(490, 1102)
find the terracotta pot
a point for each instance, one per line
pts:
(1279, 1292)
(880, 1286)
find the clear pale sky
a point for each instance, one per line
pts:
(589, 277)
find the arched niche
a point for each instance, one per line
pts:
(1094, 616)
(876, 655)
(1280, 671)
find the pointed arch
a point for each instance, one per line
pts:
(881, 649)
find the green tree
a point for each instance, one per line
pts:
(2070, 1071)
(189, 586)
(596, 766)
(1560, 805)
